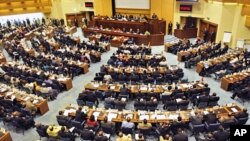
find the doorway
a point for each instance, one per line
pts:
(211, 28)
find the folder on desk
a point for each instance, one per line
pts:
(142, 117)
(96, 114)
(173, 116)
(234, 110)
(111, 116)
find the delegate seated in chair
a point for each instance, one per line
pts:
(144, 125)
(101, 137)
(166, 137)
(122, 137)
(64, 133)
(242, 114)
(180, 136)
(80, 115)
(92, 123)
(221, 135)
(127, 123)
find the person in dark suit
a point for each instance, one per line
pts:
(92, 98)
(242, 114)
(205, 35)
(214, 97)
(76, 22)
(100, 136)
(170, 26)
(221, 135)
(210, 118)
(180, 136)
(60, 116)
(203, 98)
(86, 134)
(66, 134)
(42, 127)
(197, 119)
(212, 36)
(80, 115)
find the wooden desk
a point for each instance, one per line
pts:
(67, 82)
(43, 107)
(227, 81)
(153, 26)
(152, 117)
(42, 104)
(118, 41)
(2, 59)
(167, 46)
(85, 67)
(186, 33)
(181, 55)
(199, 67)
(6, 137)
(135, 89)
(139, 39)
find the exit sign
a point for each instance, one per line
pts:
(186, 8)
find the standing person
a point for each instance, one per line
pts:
(177, 25)
(246, 56)
(43, 21)
(76, 22)
(170, 26)
(205, 35)
(212, 36)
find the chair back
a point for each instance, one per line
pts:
(65, 139)
(76, 124)
(198, 128)
(127, 131)
(62, 122)
(41, 133)
(107, 130)
(242, 121)
(80, 102)
(202, 105)
(172, 108)
(212, 126)
(89, 103)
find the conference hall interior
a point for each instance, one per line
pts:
(124, 70)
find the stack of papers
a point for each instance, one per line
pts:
(112, 87)
(142, 117)
(66, 112)
(111, 116)
(27, 98)
(160, 117)
(173, 116)
(96, 114)
(234, 110)
(35, 101)
(130, 116)
(144, 88)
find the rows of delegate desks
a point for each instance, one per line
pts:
(227, 81)
(153, 39)
(40, 103)
(157, 116)
(211, 62)
(157, 28)
(138, 88)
